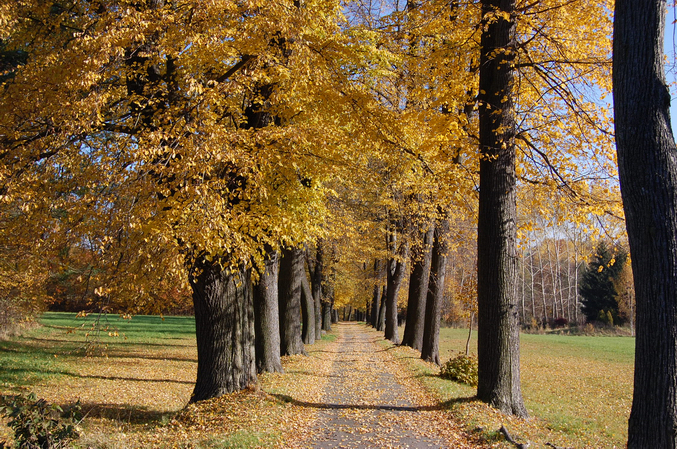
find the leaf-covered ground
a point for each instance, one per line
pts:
(371, 402)
(354, 389)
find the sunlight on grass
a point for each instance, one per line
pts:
(578, 389)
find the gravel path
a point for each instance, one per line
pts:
(370, 402)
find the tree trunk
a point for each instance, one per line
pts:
(431, 329)
(498, 320)
(648, 174)
(377, 298)
(381, 319)
(224, 328)
(418, 292)
(267, 318)
(326, 316)
(291, 270)
(308, 311)
(396, 272)
(315, 269)
(375, 306)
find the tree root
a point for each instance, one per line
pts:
(509, 438)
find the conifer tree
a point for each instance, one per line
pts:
(598, 289)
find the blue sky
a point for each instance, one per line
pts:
(671, 67)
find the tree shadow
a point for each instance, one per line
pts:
(398, 408)
(130, 379)
(122, 413)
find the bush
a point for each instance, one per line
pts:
(461, 368)
(39, 425)
(561, 322)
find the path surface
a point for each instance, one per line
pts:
(371, 402)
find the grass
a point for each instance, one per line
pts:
(578, 389)
(134, 379)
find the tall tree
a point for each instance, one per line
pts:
(376, 297)
(396, 271)
(648, 176)
(266, 316)
(290, 284)
(498, 320)
(598, 284)
(224, 323)
(430, 350)
(307, 310)
(418, 292)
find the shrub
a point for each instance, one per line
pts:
(461, 368)
(561, 322)
(39, 425)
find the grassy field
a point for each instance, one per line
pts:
(578, 389)
(135, 377)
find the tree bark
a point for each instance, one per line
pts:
(381, 320)
(375, 306)
(326, 316)
(377, 298)
(418, 292)
(307, 311)
(267, 318)
(291, 270)
(498, 320)
(315, 267)
(224, 328)
(396, 272)
(647, 160)
(430, 350)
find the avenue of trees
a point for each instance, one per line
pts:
(272, 160)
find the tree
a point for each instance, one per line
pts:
(418, 292)
(224, 318)
(431, 329)
(648, 176)
(395, 273)
(307, 310)
(292, 269)
(599, 296)
(498, 320)
(266, 316)
(172, 156)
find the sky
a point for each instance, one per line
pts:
(671, 68)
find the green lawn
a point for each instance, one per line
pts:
(48, 351)
(578, 385)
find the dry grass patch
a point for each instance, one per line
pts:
(578, 390)
(134, 393)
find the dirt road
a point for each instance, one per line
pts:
(370, 401)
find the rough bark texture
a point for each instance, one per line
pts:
(430, 350)
(381, 320)
(307, 311)
(498, 340)
(396, 272)
(267, 321)
(224, 327)
(647, 160)
(291, 270)
(377, 298)
(315, 267)
(418, 292)
(375, 306)
(326, 316)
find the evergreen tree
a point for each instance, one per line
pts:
(598, 289)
